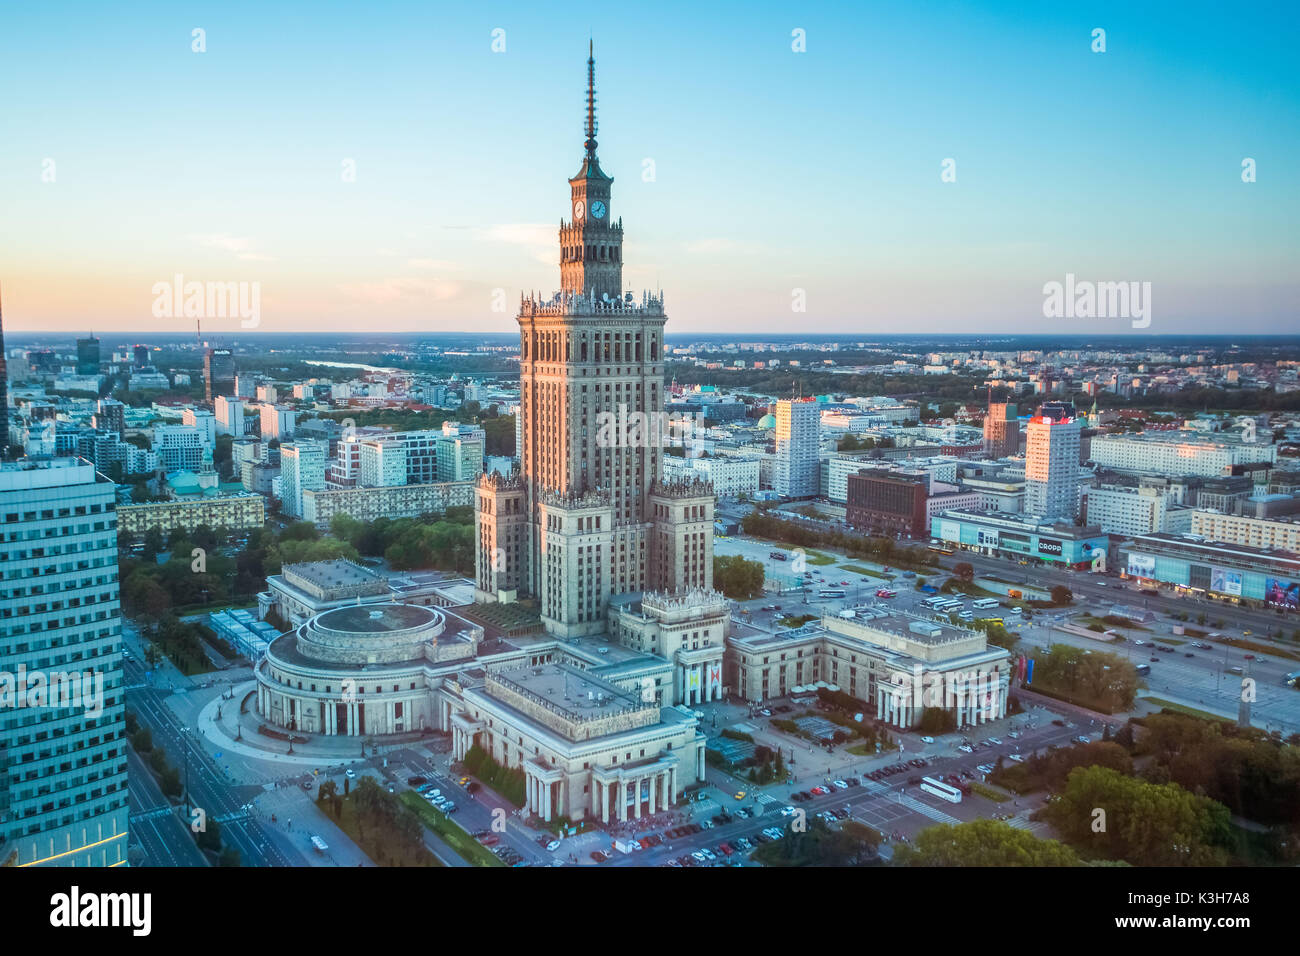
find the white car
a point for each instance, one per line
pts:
(994, 740)
(788, 811)
(1018, 758)
(841, 785)
(966, 749)
(349, 772)
(1139, 642)
(927, 740)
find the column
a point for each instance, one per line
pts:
(654, 785)
(672, 784)
(546, 800)
(620, 801)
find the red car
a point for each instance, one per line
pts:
(490, 839)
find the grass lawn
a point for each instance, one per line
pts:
(1184, 709)
(1257, 648)
(469, 849)
(817, 557)
(989, 792)
(379, 847)
(866, 572)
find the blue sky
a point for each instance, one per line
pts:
(774, 170)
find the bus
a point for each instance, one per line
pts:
(776, 555)
(831, 593)
(1291, 678)
(983, 604)
(940, 549)
(940, 789)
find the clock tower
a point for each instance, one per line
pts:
(591, 243)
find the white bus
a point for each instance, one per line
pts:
(940, 789)
(983, 604)
(831, 593)
(933, 602)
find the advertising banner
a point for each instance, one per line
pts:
(1282, 593)
(1142, 565)
(950, 531)
(1223, 581)
(1049, 546)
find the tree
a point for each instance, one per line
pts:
(1146, 824)
(982, 843)
(736, 577)
(964, 571)
(1061, 595)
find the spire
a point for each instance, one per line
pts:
(591, 101)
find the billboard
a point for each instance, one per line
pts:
(988, 538)
(950, 531)
(1049, 546)
(1280, 592)
(1223, 581)
(1142, 565)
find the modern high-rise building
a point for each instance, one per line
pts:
(141, 356)
(589, 515)
(218, 373)
(1001, 430)
(63, 786)
(88, 356)
(205, 422)
(302, 468)
(1052, 462)
(110, 416)
(229, 412)
(4, 392)
(798, 439)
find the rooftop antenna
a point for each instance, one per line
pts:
(591, 100)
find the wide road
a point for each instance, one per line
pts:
(258, 845)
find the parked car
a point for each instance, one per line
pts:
(927, 740)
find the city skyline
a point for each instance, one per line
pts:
(1115, 166)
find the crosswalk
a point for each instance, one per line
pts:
(152, 814)
(926, 810)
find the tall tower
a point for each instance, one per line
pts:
(591, 244)
(4, 392)
(1052, 462)
(588, 516)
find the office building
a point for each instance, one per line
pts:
(233, 511)
(1052, 463)
(1180, 453)
(887, 502)
(383, 464)
(229, 414)
(110, 416)
(63, 796)
(204, 422)
(179, 447)
(798, 437)
(218, 373)
(1001, 430)
(302, 468)
(277, 422)
(88, 356)
(371, 504)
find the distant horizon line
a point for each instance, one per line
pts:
(742, 336)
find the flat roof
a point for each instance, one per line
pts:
(377, 618)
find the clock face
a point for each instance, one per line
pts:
(598, 209)
(578, 209)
